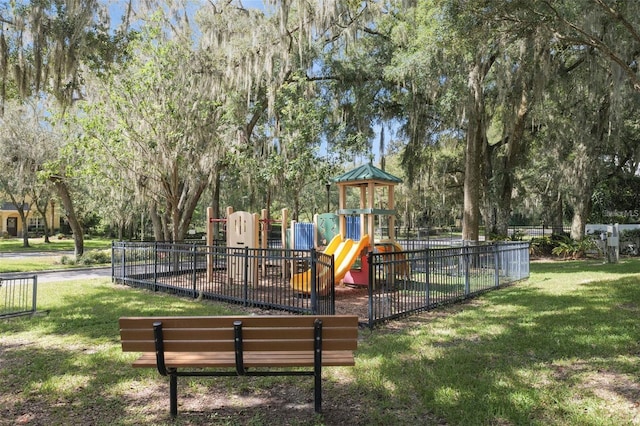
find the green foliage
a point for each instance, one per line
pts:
(96, 257)
(630, 234)
(90, 257)
(562, 246)
(267, 107)
(542, 246)
(574, 249)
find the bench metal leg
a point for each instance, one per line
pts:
(317, 365)
(173, 394)
(317, 391)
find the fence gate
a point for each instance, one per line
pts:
(18, 296)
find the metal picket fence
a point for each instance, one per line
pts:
(409, 281)
(249, 277)
(302, 281)
(18, 296)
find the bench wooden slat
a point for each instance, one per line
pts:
(179, 345)
(329, 333)
(253, 359)
(266, 321)
(248, 346)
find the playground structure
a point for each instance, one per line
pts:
(349, 245)
(357, 226)
(244, 231)
(251, 270)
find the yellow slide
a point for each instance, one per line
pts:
(345, 254)
(341, 268)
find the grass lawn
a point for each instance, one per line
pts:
(15, 245)
(559, 349)
(33, 264)
(53, 258)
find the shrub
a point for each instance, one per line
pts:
(68, 260)
(542, 246)
(574, 249)
(630, 241)
(91, 257)
(95, 257)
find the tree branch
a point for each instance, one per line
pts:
(596, 43)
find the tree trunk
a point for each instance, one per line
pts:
(47, 231)
(166, 232)
(471, 214)
(554, 213)
(512, 159)
(25, 227)
(583, 182)
(41, 206)
(475, 141)
(501, 162)
(296, 207)
(586, 167)
(553, 207)
(19, 205)
(185, 208)
(156, 222)
(582, 210)
(78, 236)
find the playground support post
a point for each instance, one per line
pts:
(328, 186)
(264, 228)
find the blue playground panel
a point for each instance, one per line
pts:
(353, 227)
(303, 236)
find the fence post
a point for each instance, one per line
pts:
(122, 262)
(427, 280)
(245, 294)
(35, 294)
(333, 286)
(372, 283)
(467, 265)
(496, 261)
(194, 274)
(519, 252)
(155, 266)
(314, 282)
(113, 270)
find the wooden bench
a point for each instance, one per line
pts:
(241, 346)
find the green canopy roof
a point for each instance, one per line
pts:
(367, 172)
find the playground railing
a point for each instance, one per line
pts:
(250, 277)
(405, 282)
(18, 296)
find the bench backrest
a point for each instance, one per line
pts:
(259, 333)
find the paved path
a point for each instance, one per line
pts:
(73, 274)
(35, 254)
(59, 274)
(65, 274)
